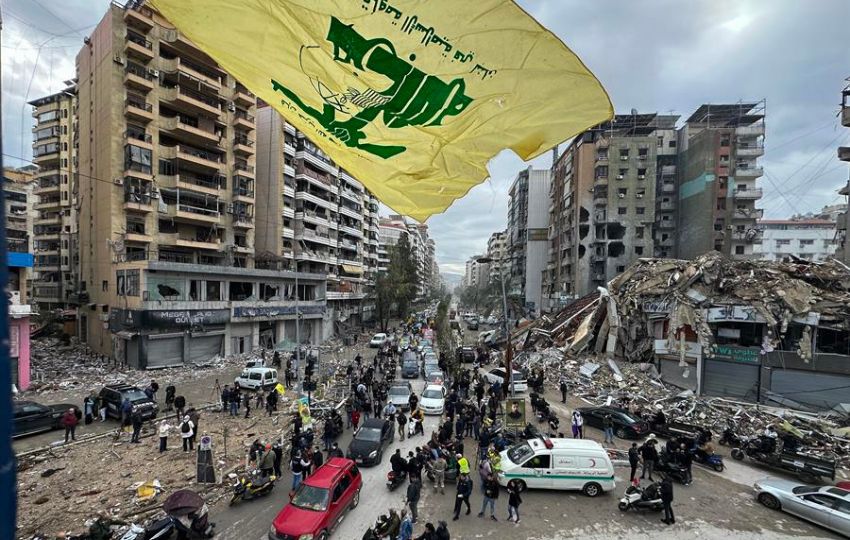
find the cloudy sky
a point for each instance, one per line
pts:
(664, 56)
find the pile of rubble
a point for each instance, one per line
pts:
(62, 489)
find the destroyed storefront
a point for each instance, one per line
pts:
(758, 331)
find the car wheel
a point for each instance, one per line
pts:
(737, 454)
(356, 500)
(592, 489)
(522, 486)
(322, 535)
(769, 501)
(719, 467)
(620, 433)
(623, 506)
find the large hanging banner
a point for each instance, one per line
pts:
(411, 97)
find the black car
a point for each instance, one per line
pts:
(32, 417)
(409, 365)
(113, 396)
(367, 446)
(472, 324)
(626, 426)
(466, 355)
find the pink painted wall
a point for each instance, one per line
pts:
(21, 327)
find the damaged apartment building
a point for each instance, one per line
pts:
(768, 332)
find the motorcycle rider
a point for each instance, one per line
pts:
(389, 410)
(419, 418)
(335, 452)
(768, 439)
(397, 462)
(266, 463)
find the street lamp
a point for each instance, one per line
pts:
(509, 352)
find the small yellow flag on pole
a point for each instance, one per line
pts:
(280, 388)
(411, 97)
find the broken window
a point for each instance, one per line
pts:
(638, 250)
(640, 210)
(621, 269)
(241, 290)
(638, 232)
(831, 341)
(616, 249)
(213, 291)
(621, 210)
(718, 225)
(739, 250)
(741, 334)
(790, 341)
(195, 290)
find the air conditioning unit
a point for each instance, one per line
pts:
(641, 176)
(154, 194)
(231, 106)
(621, 195)
(620, 177)
(624, 158)
(154, 72)
(118, 181)
(639, 195)
(118, 60)
(229, 208)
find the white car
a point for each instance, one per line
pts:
(433, 399)
(378, 341)
(498, 375)
(828, 506)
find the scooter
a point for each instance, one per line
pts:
(715, 461)
(186, 514)
(729, 438)
(638, 498)
(675, 471)
(395, 479)
(250, 486)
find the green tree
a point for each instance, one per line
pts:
(395, 289)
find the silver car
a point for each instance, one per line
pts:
(828, 506)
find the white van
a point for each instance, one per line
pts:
(257, 378)
(576, 464)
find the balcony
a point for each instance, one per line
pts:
(138, 202)
(748, 172)
(243, 194)
(666, 206)
(139, 18)
(46, 185)
(313, 217)
(191, 242)
(351, 230)
(139, 47)
(288, 191)
(289, 171)
(351, 195)
(668, 188)
(243, 119)
(191, 101)
(288, 233)
(313, 236)
(197, 72)
(211, 185)
(45, 203)
(189, 133)
(243, 221)
(138, 237)
(755, 130)
(194, 156)
(244, 169)
(243, 145)
(242, 96)
(138, 110)
(288, 212)
(755, 193)
(752, 213)
(353, 214)
(749, 150)
(668, 170)
(193, 214)
(751, 236)
(317, 161)
(138, 78)
(51, 219)
(138, 137)
(315, 256)
(307, 196)
(844, 153)
(666, 224)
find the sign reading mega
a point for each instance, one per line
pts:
(130, 319)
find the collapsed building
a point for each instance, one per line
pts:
(775, 333)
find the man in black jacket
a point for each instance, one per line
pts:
(464, 490)
(666, 499)
(649, 454)
(634, 459)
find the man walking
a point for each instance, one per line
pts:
(491, 493)
(667, 499)
(608, 428)
(649, 455)
(136, 420)
(69, 422)
(578, 425)
(401, 419)
(562, 386)
(464, 490)
(414, 489)
(297, 470)
(514, 499)
(634, 459)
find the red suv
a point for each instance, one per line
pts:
(319, 503)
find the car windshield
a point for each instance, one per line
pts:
(399, 390)
(369, 434)
(432, 394)
(804, 490)
(135, 395)
(518, 377)
(629, 419)
(520, 452)
(311, 498)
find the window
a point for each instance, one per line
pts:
(622, 192)
(621, 210)
(739, 250)
(819, 499)
(621, 269)
(807, 242)
(104, 285)
(832, 341)
(602, 171)
(638, 250)
(624, 153)
(340, 488)
(671, 144)
(783, 242)
(622, 172)
(842, 507)
(643, 153)
(640, 210)
(137, 159)
(660, 142)
(641, 174)
(718, 225)
(724, 140)
(213, 291)
(538, 462)
(602, 154)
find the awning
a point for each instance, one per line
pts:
(351, 269)
(126, 334)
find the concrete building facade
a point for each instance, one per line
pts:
(811, 239)
(719, 147)
(497, 251)
(841, 223)
(527, 235)
(55, 234)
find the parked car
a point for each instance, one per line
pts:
(472, 324)
(433, 399)
(378, 341)
(828, 506)
(626, 426)
(518, 383)
(320, 502)
(465, 355)
(403, 343)
(257, 378)
(367, 446)
(32, 417)
(113, 395)
(399, 395)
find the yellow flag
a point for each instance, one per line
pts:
(280, 389)
(411, 97)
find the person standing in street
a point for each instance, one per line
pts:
(401, 419)
(562, 386)
(649, 455)
(187, 430)
(225, 398)
(414, 489)
(247, 403)
(89, 409)
(514, 499)
(491, 493)
(126, 411)
(69, 422)
(578, 425)
(179, 406)
(462, 464)
(405, 530)
(136, 421)
(608, 428)
(634, 460)
(442, 532)
(164, 428)
(335, 452)
(355, 419)
(667, 500)
(464, 490)
(439, 467)
(297, 471)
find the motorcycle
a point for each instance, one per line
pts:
(729, 438)
(252, 485)
(638, 498)
(715, 461)
(186, 514)
(449, 476)
(333, 424)
(395, 479)
(675, 471)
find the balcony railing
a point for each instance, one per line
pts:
(139, 40)
(198, 210)
(139, 104)
(170, 256)
(137, 135)
(243, 191)
(215, 182)
(138, 71)
(243, 139)
(198, 96)
(244, 167)
(198, 153)
(243, 115)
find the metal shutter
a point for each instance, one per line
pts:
(165, 352)
(203, 348)
(730, 379)
(821, 390)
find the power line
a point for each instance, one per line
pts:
(61, 20)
